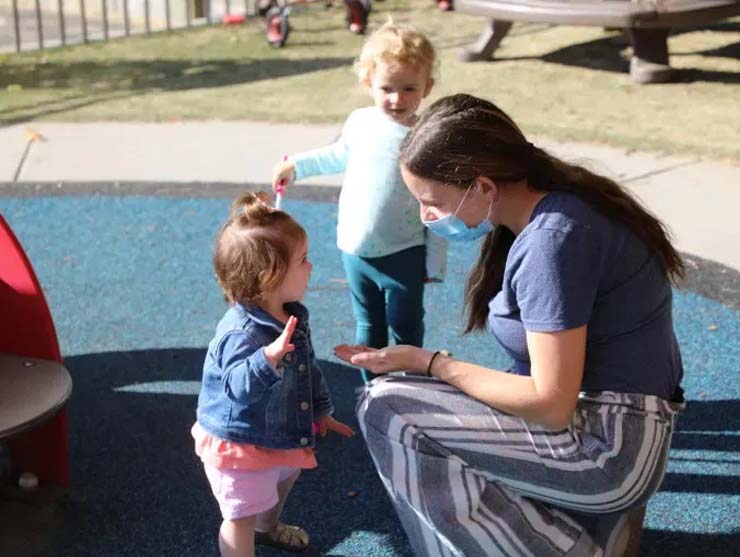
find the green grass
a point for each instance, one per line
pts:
(565, 83)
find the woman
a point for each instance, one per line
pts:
(573, 280)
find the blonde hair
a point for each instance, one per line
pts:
(398, 44)
(253, 249)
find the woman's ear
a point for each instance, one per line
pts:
(484, 184)
(489, 188)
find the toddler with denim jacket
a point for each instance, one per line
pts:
(387, 254)
(263, 395)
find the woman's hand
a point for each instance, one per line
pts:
(283, 175)
(327, 423)
(279, 347)
(391, 358)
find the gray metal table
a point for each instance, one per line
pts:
(31, 391)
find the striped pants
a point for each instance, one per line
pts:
(469, 480)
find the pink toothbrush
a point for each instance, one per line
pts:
(280, 190)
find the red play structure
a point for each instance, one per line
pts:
(34, 385)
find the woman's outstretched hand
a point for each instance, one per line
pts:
(383, 360)
(327, 423)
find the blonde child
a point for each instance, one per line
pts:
(387, 255)
(263, 394)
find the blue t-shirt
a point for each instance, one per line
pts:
(572, 266)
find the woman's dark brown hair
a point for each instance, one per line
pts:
(460, 138)
(253, 249)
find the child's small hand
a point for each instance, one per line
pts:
(283, 172)
(279, 347)
(327, 423)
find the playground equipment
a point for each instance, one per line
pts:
(646, 22)
(34, 385)
(277, 12)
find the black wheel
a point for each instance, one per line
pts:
(264, 7)
(357, 12)
(278, 27)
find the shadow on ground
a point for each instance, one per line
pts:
(137, 489)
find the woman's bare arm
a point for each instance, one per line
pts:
(548, 396)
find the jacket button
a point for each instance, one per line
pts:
(304, 406)
(289, 357)
(302, 367)
(304, 441)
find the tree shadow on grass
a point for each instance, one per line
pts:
(138, 488)
(101, 82)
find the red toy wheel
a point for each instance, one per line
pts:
(233, 19)
(278, 27)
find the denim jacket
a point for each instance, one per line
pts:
(244, 400)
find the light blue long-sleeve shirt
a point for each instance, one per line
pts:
(377, 214)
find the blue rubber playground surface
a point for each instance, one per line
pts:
(132, 292)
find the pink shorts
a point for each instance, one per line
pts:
(243, 493)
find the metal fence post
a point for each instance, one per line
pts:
(126, 21)
(39, 25)
(167, 16)
(104, 5)
(62, 28)
(16, 25)
(83, 17)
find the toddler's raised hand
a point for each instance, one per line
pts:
(283, 172)
(327, 423)
(279, 347)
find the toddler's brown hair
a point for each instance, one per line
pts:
(253, 249)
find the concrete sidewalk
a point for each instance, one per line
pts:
(698, 200)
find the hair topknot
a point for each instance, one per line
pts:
(252, 206)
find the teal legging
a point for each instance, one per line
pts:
(387, 291)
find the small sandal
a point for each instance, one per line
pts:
(283, 536)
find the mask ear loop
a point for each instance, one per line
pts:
(464, 197)
(490, 208)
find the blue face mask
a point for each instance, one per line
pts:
(452, 228)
